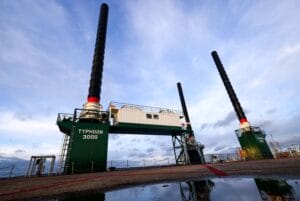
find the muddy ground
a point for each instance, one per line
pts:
(39, 187)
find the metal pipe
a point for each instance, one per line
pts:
(29, 168)
(185, 150)
(52, 165)
(234, 100)
(97, 67)
(183, 105)
(11, 170)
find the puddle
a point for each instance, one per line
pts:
(202, 190)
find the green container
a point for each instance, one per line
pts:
(87, 149)
(253, 141)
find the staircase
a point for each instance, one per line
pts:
(64, 151)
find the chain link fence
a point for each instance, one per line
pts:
(222, 157)
(140, 163)
(13, 170)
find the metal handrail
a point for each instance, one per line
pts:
(145, 108)
(62, 116)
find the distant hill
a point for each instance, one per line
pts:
(7, 163)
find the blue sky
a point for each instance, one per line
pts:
(46, 50)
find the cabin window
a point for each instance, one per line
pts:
(155, 116)
(149, 116)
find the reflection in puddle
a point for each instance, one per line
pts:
(196, 190)
(271, 189)
(268, 189)
(202, 190)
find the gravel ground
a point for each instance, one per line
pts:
(38, 187)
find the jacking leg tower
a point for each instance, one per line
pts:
(86, 131)
(252, 139)
(191, 150)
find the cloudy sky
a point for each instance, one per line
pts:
(46, 50)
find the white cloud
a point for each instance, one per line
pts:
(35, 136)
(136, 147)
(45, 61)
(32, 127)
